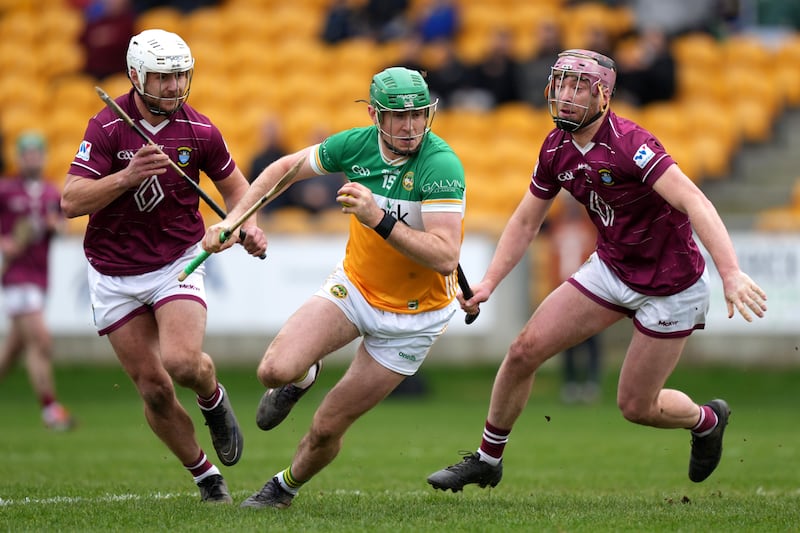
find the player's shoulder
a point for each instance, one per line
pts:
(623, 128)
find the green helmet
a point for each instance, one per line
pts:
(399, 89)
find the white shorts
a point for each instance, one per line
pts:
(398, 341)
(23, 299)
(676, 315)
(117, 299)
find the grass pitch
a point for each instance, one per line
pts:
(567, 469)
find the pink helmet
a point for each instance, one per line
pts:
(592, 66)
(589, 63)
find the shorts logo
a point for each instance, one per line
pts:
(413, 305)
(408, 356)
(339, 291)
(643, 156)
(84, 151)
(184, 153)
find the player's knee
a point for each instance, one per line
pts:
(156, 394)
(189, 370)
(522, 356)
(274, 373)
(324, 434)
(634, 410)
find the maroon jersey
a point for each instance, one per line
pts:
(28, 202)
(642, 238)
(153, 224)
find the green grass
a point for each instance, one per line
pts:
(567, 469)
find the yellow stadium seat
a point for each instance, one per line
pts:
(162, 17)
(664, 120)
(332, 221)
(288, 220)
(698, 49)
(60, 59)
(62, 24)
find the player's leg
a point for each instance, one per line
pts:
(565, 318)
(643, 399)
(181, 330)
(293, 360)
(365, 384)
(39, 362)
(136, 344)
(640, 395)
(13, 348)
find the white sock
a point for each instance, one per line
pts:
(494, 461)
(309, 379)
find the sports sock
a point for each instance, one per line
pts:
(288, 482)
(707, 422)
(47, 400)
(202, 468)
(308, 378)
(493, 443)
(212, 401)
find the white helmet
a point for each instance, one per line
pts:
(161, 52)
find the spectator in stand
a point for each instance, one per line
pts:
(451, 80)
(341, 23)
(648, 73)
(387, 19)
(534, 72)
(186, 6)
(314, 196)
(496, 73)
(109, 27)
(272, 147)
(30, 216)
(676, 17)
(439, 20)
(411, 54)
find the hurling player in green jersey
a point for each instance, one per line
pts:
(396, 286)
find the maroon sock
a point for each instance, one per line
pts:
(200, 466)
(707, 421)
(211, 401)
(494, 440)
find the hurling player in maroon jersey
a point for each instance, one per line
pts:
(144, 227)
(646, 266)
(30, 217)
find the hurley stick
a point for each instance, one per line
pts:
(467, 292)
(269, 195)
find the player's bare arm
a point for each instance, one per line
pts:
(741, 292)
(82, 196)
(232, 189)
(265, 181)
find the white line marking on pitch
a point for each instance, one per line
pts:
(101, 499)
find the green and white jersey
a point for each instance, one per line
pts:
(432, 180)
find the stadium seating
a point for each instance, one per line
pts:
(256, 57)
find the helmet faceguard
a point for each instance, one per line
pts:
(398, 93)
(581, 66)
(160, 52)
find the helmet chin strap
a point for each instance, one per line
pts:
(157, 110)
(396, 151)
(572, 127)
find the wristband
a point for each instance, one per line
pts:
(385, 226)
